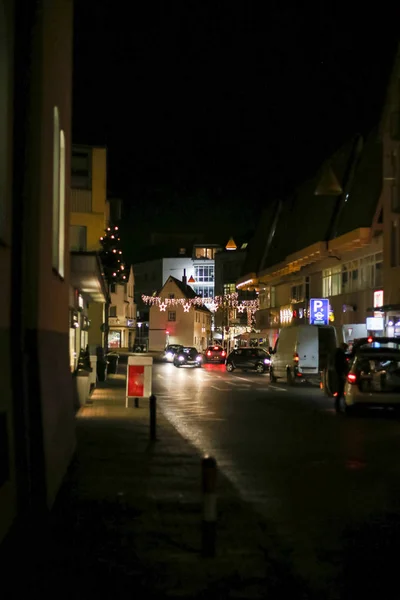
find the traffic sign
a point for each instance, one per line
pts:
(319, 311)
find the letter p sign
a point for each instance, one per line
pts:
(319, 311)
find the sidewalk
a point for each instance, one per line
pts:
(127, 521)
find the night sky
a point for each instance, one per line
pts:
(210, 109)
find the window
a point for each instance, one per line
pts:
(171, 296)
(204, 291)
(58, 228)
(353, 275)
(204, 274)
(171, 315)
(113, 311)
(81, 177)
(395, 199)
(113, 288)
(297, 293)
(208, 253)
(77, 238)
(229, 288)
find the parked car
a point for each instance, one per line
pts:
(301, 353)
(215, 354)
(170, 352)
(186, 356)
(374, 376)
(248, 359)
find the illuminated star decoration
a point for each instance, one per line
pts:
(162, 306)
(186, 307)
(240, 308)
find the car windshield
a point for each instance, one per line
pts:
(188, 350)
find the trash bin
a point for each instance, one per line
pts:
(112, 360)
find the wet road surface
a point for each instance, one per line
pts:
(329, 485)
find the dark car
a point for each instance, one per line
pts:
(186, 356)
(170, 352)
(248, 359)
(215, 354)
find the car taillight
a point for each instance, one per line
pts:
(351, 378)
(223, 353)
(296, 357)
(209, 353)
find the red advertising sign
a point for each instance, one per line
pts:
(136, 381)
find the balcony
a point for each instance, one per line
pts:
(81, 201)
(121, 322)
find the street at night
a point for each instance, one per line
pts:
(328, 485)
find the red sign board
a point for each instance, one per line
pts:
(136, 381)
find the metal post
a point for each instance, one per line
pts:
(209, 522)
(153, 417)
(136, 402)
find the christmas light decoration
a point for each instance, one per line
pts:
(111, 256)
(219, 302)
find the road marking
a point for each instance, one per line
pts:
(262, 389)
(160, 376)
(243, 379)
(274, 387)
(221, 389)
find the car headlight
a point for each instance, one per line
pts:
(181, 358)
(267, 361)
(169, 355)
(199, 358)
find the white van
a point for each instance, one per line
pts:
(301, 352)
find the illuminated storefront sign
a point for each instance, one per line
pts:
(286, 315)
(378, 302)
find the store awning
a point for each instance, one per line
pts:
(385, 308)
(87, 275)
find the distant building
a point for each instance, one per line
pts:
(196, 263)
(122, 315)
(181, 322)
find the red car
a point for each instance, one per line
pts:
(215, 354)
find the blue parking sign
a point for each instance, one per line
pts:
(319, 311)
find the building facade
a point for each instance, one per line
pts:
(37, 433)
(89, 217)
(390, 204)
(150, 276)
(337, 256)
(122, 315)
(175, 319)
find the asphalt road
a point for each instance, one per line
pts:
(329, 485)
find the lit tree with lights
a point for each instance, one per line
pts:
(111, 256)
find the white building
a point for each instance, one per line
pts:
(122, 315)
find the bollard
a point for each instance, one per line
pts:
(136, 402)
(153, 417)
(209, 523)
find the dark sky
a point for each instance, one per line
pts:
(209, 109)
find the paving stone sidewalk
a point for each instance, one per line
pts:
(127, 521)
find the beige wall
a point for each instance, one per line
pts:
(182, 331)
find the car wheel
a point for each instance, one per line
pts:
(230, 367)
(260, 368)
(177, 364)
(289, 377)
(272, 377)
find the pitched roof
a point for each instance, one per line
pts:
(306, 218)
(186, 290)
